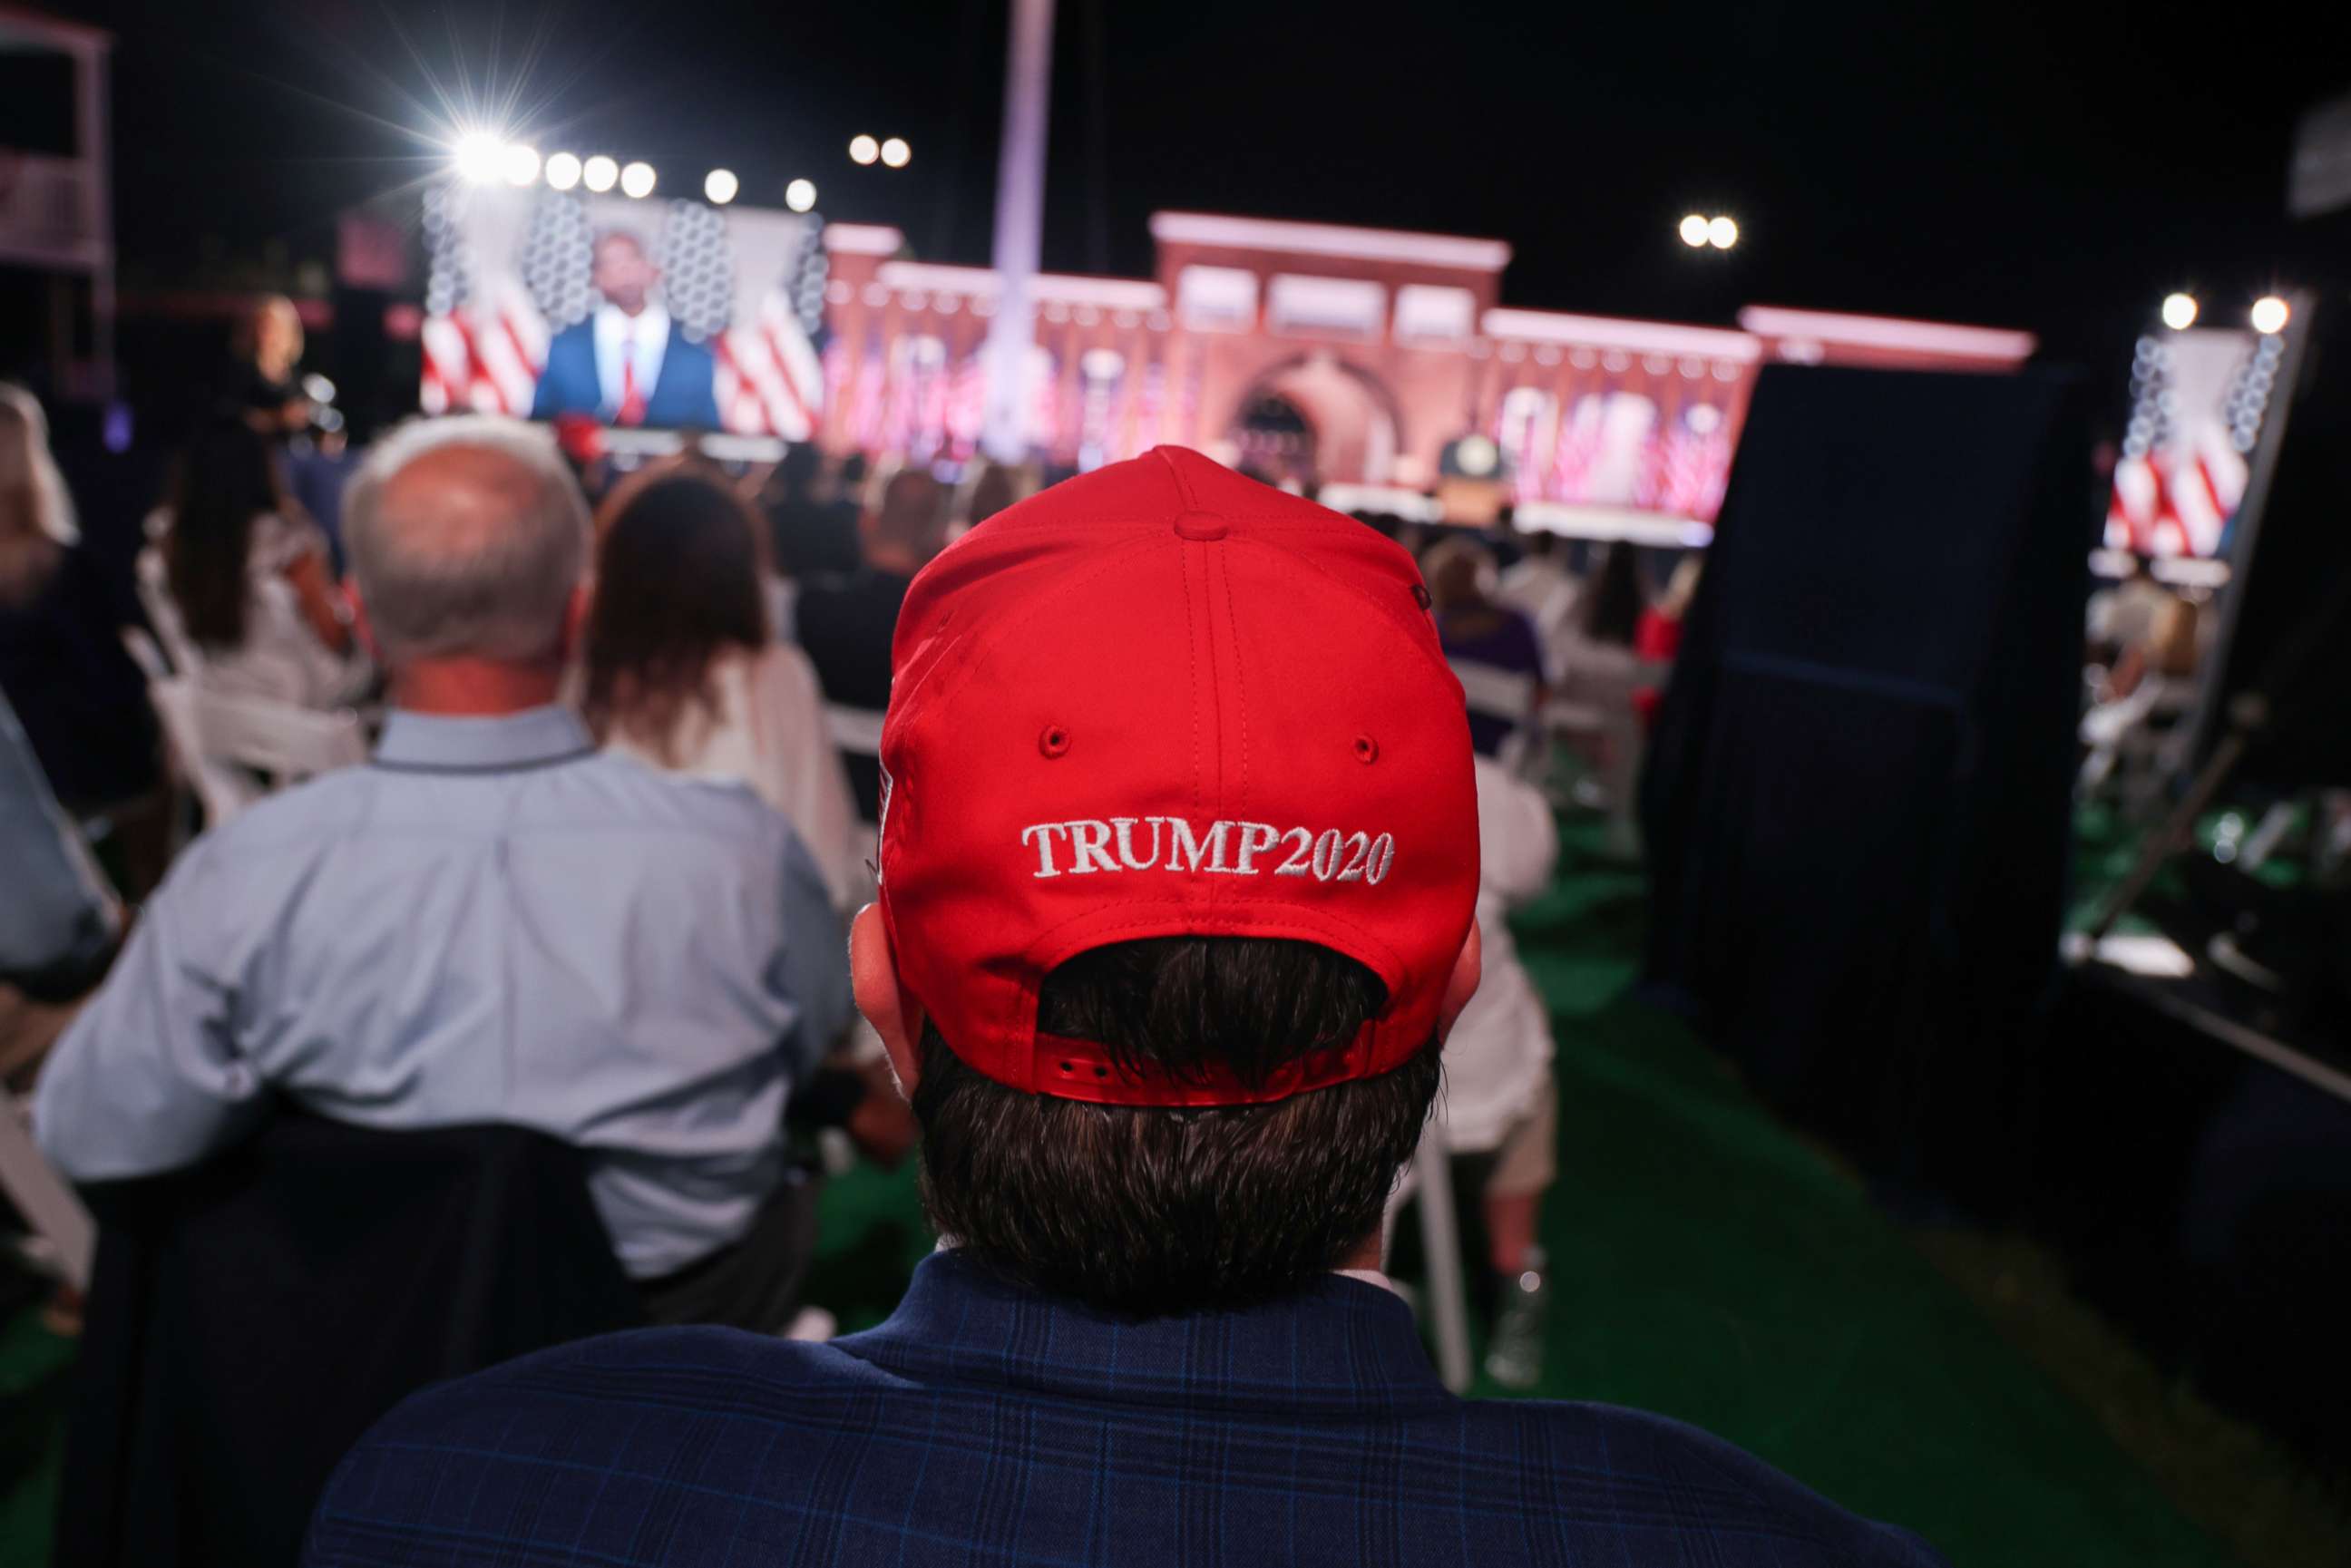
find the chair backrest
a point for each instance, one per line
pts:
(233, 749)
(155, 598)
(856, 730)
(282, 740)
(248, 1320)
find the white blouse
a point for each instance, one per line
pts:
(1495, 1057)
(281, 658)
(767, 729)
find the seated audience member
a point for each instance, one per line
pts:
(247, 575)
(996, 486)
(845, 621)
(684, 674)
(1177, 905)
(493, 922)
(1657, 635)
(81, 701)
(1491, 647)
(59, 920)
(1499, 1102)
(1540, 587)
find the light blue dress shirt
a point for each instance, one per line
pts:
(491, 922)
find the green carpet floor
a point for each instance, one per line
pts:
(1708, 1264)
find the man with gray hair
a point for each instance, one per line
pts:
(491, 922)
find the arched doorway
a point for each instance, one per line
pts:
(1273, 439)
(1316, 418)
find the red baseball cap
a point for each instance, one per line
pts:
(1163, 700)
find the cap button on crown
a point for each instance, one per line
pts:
(1200, 526)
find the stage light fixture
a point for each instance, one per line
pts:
(599, 173)
(562, 170)
(720, 186)
(863, 149)
(2180, 311)
(637, 180)
(1693, 231)
(896, 153)
(478, 156)
(519, 163)
(1721, 233)
(801, 195)
(2270, 314)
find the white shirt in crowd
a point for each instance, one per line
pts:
(1542, 589)
(281, 658)
(1498, 1051)
(767, 729)
(641, 339)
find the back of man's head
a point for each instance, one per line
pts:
(909, 521)
(1178, 861)
(468, 538)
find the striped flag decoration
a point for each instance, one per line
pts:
(1576, 448)
(966, 412)
(865, 416)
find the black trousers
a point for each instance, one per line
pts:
(754, 1284)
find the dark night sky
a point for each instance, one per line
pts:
(2054, 167)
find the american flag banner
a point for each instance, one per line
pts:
(866, 407)
(1575, 449)
(838, 367)
(968, 403)
(1149, 401)
(1044, 399)
(1694, 448)
(903, 404)
(1100, 371)
(931, 417)
(2199, 399)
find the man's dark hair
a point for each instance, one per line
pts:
(1144, 1210)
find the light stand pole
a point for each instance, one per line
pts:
(1020, 224)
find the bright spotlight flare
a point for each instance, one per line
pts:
(562, 170)
(801, 195)
(1693, 231)
(896, 153)
(637, 181)
(1721, 233)
(599, 173)
(478, 157)
(2270, 315)
(720, 185)
(2180, 311)
(519, 161)
(863, 149)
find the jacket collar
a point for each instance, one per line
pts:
(1340, 1347)
(433, 742)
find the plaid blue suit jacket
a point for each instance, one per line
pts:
(985, 1424)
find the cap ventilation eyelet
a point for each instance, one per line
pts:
(1367, 750)
(1420, 595)
(1054, 741)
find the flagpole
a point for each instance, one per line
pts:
(1020, 225)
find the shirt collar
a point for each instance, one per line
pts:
(436, 743)
(1340, 1345)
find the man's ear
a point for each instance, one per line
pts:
(361, 627)
(1468, 968)
(575, 619)
(887, 1005)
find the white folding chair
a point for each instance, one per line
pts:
(1431, 1178)
(854, 730)
(233, 750)
(1508, 696)
(63, 1235)
(1599, 706)
(155, 598)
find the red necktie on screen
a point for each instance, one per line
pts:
(633, 397)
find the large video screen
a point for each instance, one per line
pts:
(660, 314)
(2197, 402)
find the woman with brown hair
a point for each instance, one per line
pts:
(246, 573)
(684, 673)
(81, 701)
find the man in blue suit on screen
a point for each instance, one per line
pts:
(628, 364)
